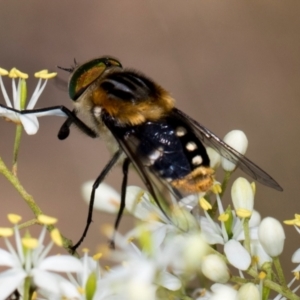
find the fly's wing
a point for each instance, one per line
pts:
(213, 141)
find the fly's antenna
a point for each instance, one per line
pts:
(70, 70)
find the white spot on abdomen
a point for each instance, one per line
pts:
(197, 160)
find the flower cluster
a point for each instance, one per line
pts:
(198, 250)
(216, 244)
(19, 99)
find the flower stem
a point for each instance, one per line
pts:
(225, 182)
(16, 183)
(279, 271)
(27, 288)
(247, 235)
(19, 130)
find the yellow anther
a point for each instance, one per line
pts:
(81, 290)
(6, 232)
(289, 222)
(46, 220)
(3, 72)
(205, 204)
(43, 74)
(97, 256)
(216, 188)
(12, 73)
(107, 268)
(14, 219)
(262, 275)
(85, 250)
(295, 221)
(255, 259)
(21, 74)
(30, 243)
(223, 217)
(130, 239)
(56, 237)
(243, 213)
(297, 276)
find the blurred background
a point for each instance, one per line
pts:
(229, 64)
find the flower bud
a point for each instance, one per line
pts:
(215, 268)
(248, 291)
(194, 250)
(271, 236)
(238, 141)
(242, 194)
(222, 292)
(214, 157)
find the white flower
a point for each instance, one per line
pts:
(238, 141)
(215, 233)
(215, 268)
(142, 272)
(271, 236)
(29, 260)
(29, 121)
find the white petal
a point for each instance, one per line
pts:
(7, 259)
(54, 112)
(30, 123)
(45, 280)
(10, 280)
(255, 219)
(68, 290)
(159, 234)
(138, 202)
(258, 250)
(61, 263)
(106, 198)
(6, 112)
(237, 255)
(169, 281)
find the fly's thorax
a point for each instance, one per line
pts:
(130, 98)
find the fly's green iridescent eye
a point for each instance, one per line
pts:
(87, 73)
